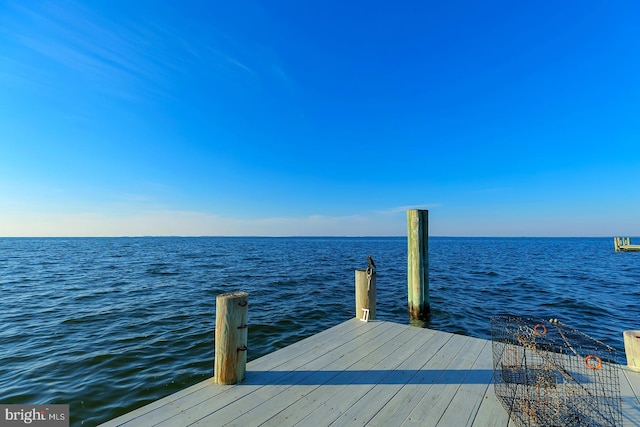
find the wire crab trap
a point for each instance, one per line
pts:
(549, 374)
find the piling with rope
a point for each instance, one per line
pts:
(366, 294)
(230, 357)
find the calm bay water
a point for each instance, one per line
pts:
(110, 324)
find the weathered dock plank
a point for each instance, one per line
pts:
(338, 392)
(389, 372)
(325, 369)
(629, 383)
(633, 378)
(357, 373)
(435, 401)
(426, 372)
(169, 407)
(464, 400)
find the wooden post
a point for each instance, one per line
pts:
(366, 294)
(616, 243)
(632, 349)
(418, 263)
(230, 357)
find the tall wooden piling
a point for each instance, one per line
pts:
(418, 263)
(366, 294)
(231, 337)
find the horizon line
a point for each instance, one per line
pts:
(304, 236)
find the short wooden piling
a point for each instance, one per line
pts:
(632, 349)
(418, 263)
(366, 294)
(230, 337)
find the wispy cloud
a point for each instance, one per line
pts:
(239, 65)
(128, 59)
(72, 36)
(131, 57)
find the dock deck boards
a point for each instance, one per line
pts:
(357, 373)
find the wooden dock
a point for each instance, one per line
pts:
(357, 373)
(623, 244)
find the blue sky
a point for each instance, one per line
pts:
(503, 118)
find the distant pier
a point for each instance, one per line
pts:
(623, 244)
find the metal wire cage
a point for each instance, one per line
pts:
(549, 374)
